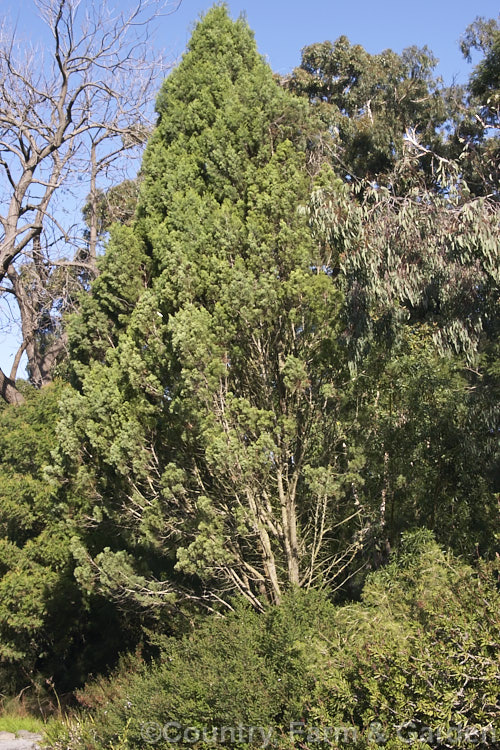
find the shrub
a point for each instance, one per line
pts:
(418, 656)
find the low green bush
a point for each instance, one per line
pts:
(416, 661)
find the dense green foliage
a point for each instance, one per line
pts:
(216, 417)
(420, 277)
(369, 102)
(48, 627)
(222, 449)
(271, 478)
(406, 661)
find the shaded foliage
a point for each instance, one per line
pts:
(49, 629)
(404, 664)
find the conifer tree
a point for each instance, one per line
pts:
(210, 377)
(50, 632)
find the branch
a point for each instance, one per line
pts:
(17, 359)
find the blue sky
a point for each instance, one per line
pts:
(283, 27)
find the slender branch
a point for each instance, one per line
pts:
(17, 359)
(95, 86)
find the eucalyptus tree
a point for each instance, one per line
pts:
(370, 101)
(420, 277)
(477, 133)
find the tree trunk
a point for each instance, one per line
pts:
(40, 363)
(8, 390)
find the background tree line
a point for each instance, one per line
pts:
(285, 361)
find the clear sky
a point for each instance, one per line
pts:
(283, 27)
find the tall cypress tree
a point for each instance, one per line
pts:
(207, 417)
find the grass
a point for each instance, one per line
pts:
(22, 712)
(14, 722)
(15, 715)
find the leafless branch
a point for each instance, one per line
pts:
(70, 116)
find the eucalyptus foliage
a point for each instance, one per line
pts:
(420, 278)
(370, 101)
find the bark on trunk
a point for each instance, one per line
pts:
(8, 390)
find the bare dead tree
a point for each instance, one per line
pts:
(71, 116)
